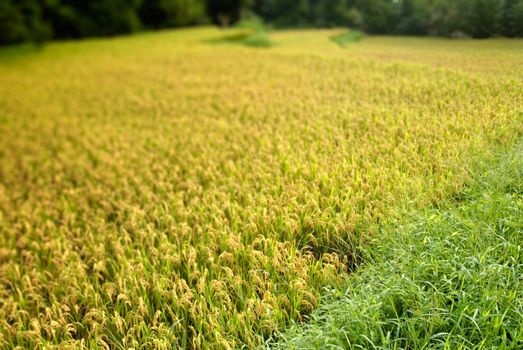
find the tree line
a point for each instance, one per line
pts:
(474, 18)
(40, 20)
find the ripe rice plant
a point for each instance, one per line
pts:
(158, 191)
(446, 278)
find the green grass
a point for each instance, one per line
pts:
(250, 38)
(348, 37)
(17, 51)
(449, 279)
(258, 39)
(253, 23)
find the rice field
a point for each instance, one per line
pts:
(440, 278)
(161, 191)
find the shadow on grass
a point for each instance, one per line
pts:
(348, 37)
(19, 50)
(247, 38)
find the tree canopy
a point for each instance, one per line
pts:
(38, 20)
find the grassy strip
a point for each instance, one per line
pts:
(452, 279)
(350, 36)
(249, 38)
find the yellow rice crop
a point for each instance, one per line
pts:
(160, 191)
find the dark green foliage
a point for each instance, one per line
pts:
(414, 18)
(38, 20)
(348, 37)
(484, 18)
(476, 18)
(512, 18)
(225, 12)
(379, 17)
(171, 13)
(518, 19)
(21, 20)
(75, 19)
(12, 26)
